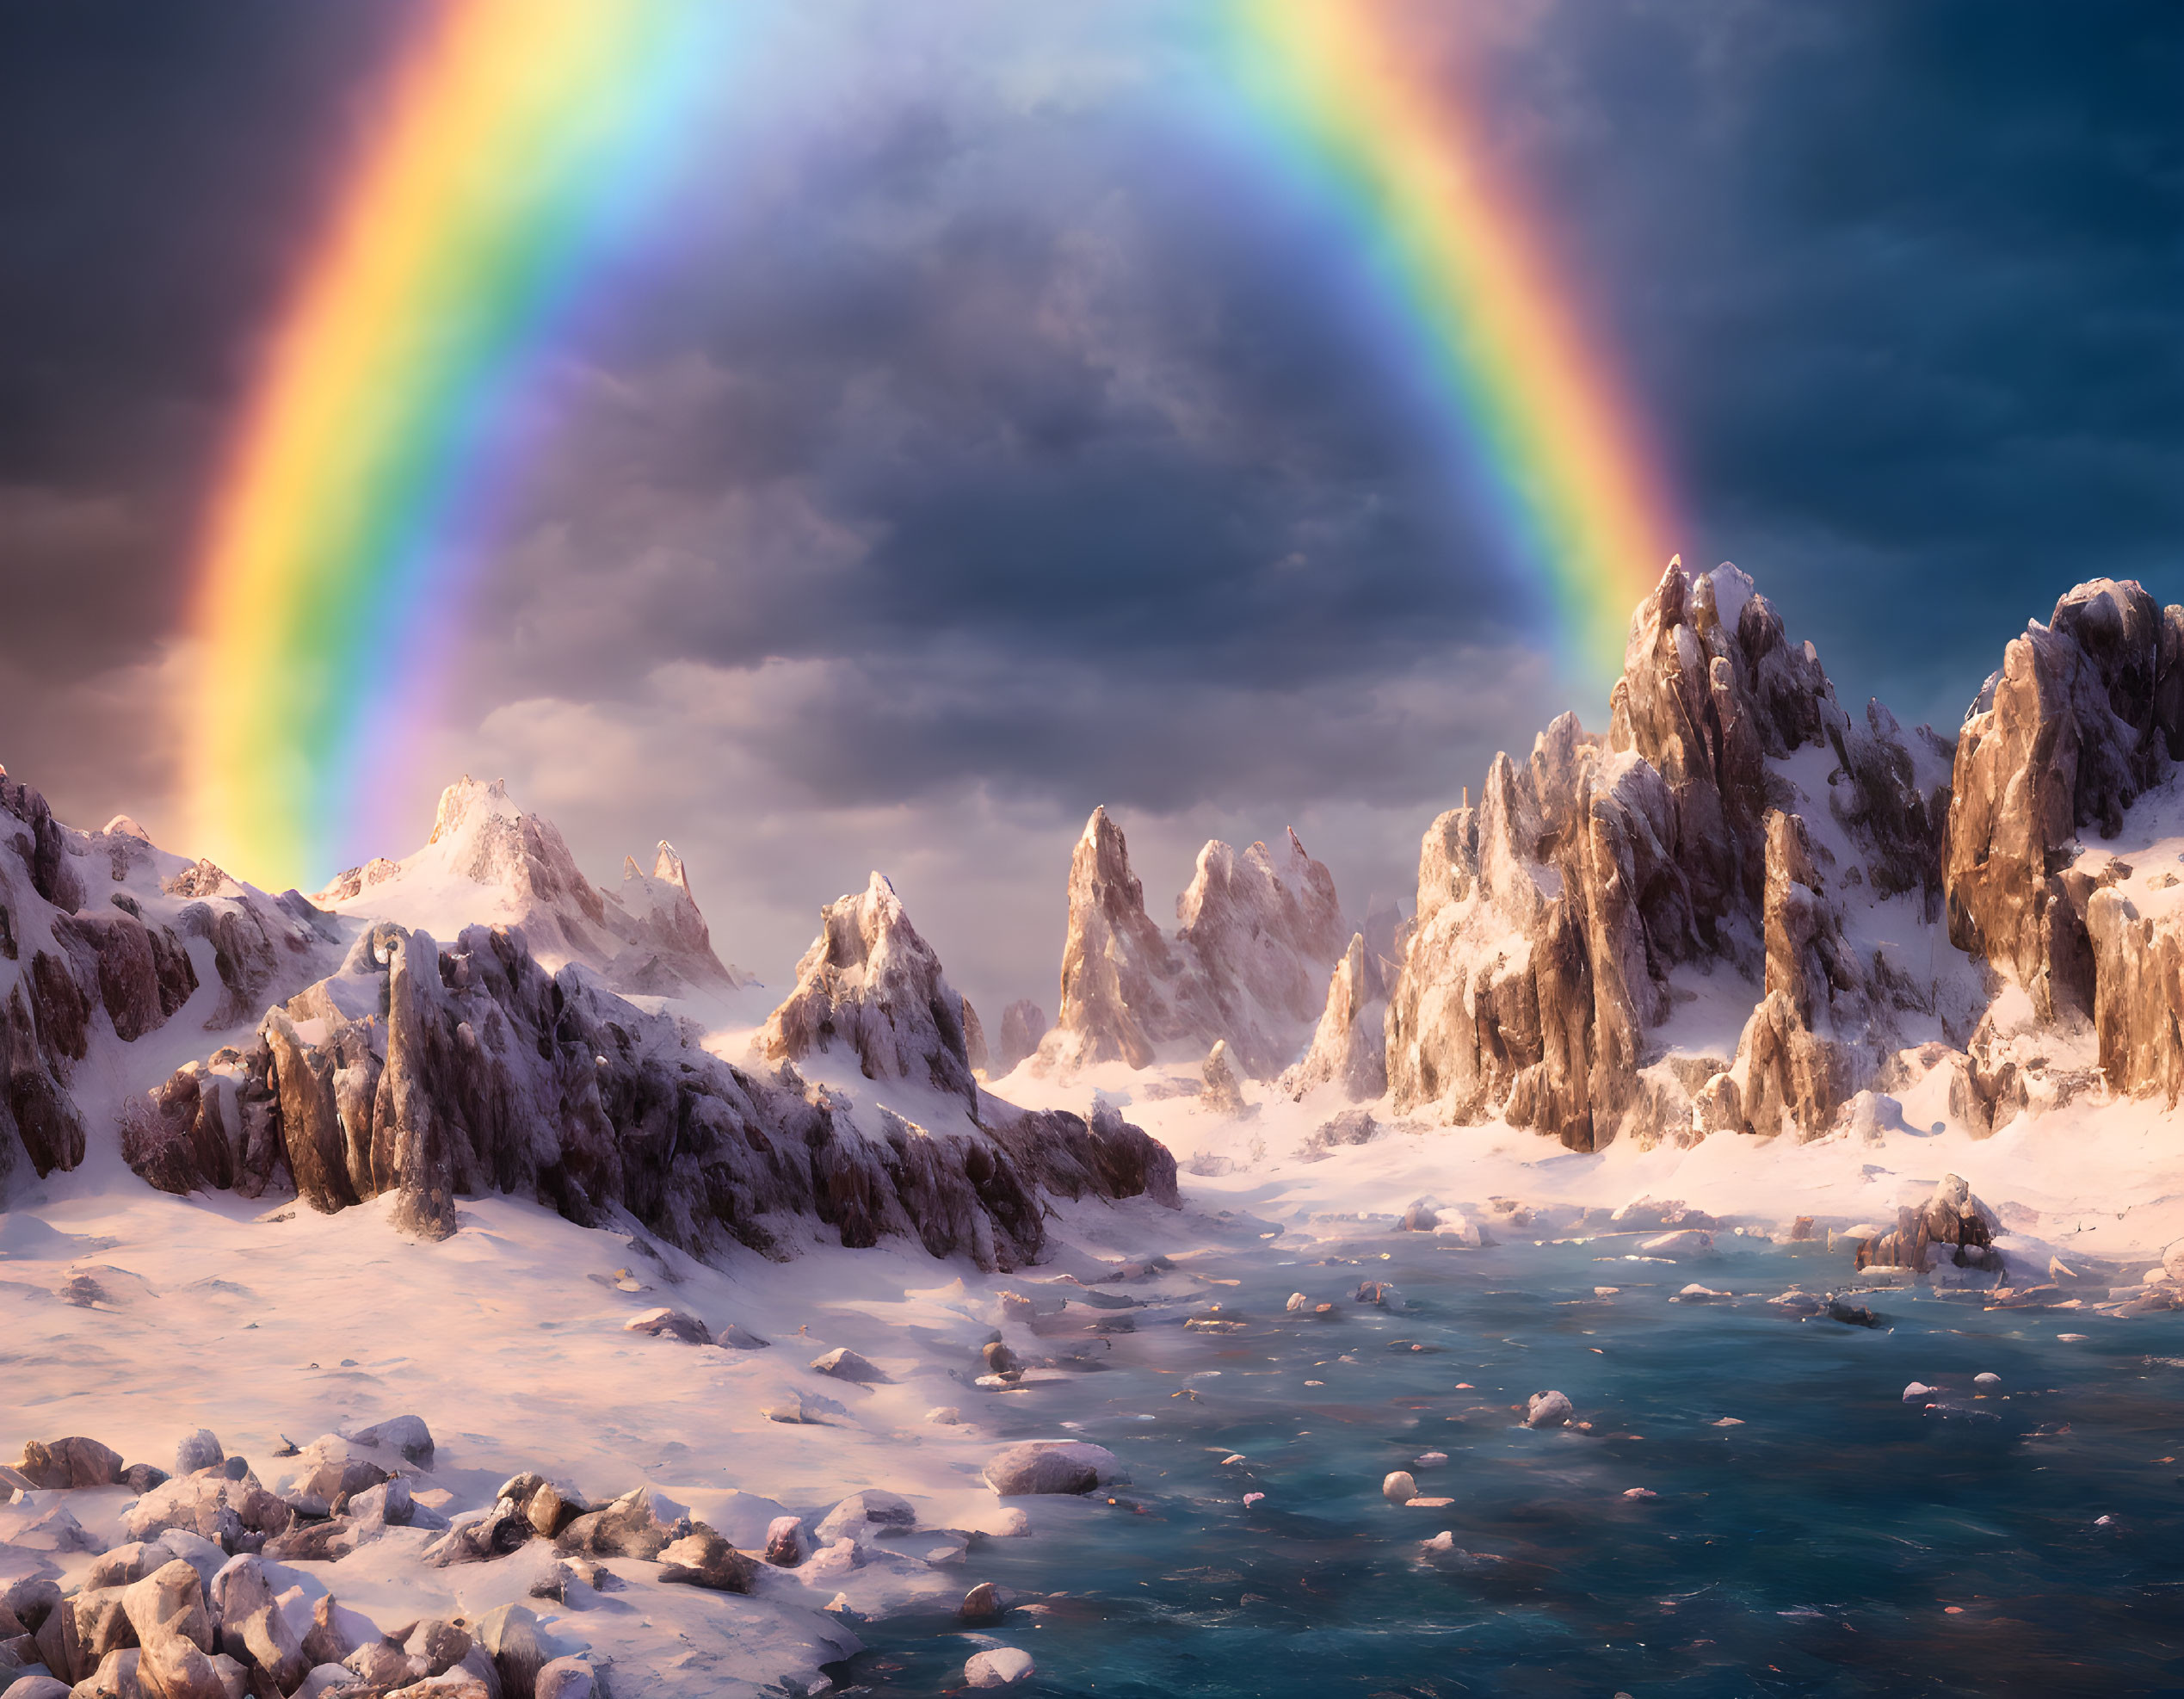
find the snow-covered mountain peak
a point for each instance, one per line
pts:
(489, 861)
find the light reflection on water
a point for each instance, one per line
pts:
(1814, 1544)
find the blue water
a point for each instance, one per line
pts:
(1817, 1546)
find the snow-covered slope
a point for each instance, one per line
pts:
(489, 863)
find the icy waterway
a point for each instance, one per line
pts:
(1810, 1533)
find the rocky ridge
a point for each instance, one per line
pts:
(1869, 906)
(104, 940)
(1256, 934)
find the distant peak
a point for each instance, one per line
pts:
(467, 798)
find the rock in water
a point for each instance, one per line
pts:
(1547, 1410)
(1004, 1666)
(981, 1604)
(1951, 1219)
(1399, 1488)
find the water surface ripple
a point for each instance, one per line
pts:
(1810, 1533)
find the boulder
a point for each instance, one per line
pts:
(703, 1559)
(30, 1597)
(551, 1506)
(1547, 1410)
(407, 1435)
(440, 1644)
(843, 1364)
(72, 1463)
(480, 1536)
(670, 1324)
(870, 1509)
(1049, 1466)
(170, 1601)
(639, 1524)
(327, 1541)
(981, 1604)
(174, 1666)
(565, 1678)
(797, 1407)
(519, 1647)
(80, 1631)
(337, 1633)
(1399, 1488)
(57, 1530)
(1951, 1221)
(35, 1687)
(785, 1542)
(115, 1678)
(389, 1504)
(1002, 1666)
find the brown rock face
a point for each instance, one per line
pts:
(871, 982)
(1801, 1056)
(437, 1074)
(2086, 714)
(1259, 931)
(1551, 915)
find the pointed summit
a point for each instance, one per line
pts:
(489, 861)
(870, 981)
(1246, 964)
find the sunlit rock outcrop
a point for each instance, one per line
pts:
(1562, 919)
(1247, 964)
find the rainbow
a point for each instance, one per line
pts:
(1543, 405)
(515, 142)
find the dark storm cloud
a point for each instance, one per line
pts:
(159, 167)
(987, 424)
(1906, 285)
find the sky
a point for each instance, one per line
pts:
(986, 431)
